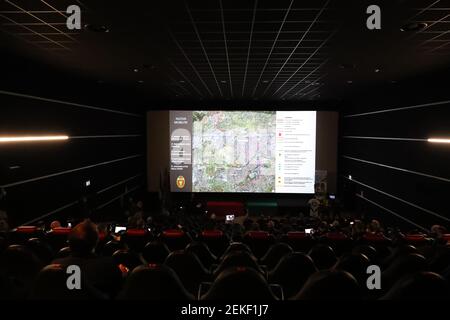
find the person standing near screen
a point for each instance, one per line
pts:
(314, 205)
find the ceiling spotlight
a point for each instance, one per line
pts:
(96, 28)
(136, 70)
(414, 26)
(377, 70)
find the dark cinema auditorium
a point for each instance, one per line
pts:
(227, 157)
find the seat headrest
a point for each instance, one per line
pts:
(136, 232)
(212, 233)
(26, 229)
(374, 237)
(173, 233)
(297, 235)
(258, 234)
(61, 230)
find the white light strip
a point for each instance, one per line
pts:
(392, 212)
(118, 197)
(26, 96)
(398, 109)
(67, 171)
(398, 169)
(438, 140)
(383, 138)
(397, 198)
(73, 203)
(32, 138)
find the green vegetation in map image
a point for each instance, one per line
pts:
(234, 151)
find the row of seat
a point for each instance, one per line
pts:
(238, 275)
(217, 241)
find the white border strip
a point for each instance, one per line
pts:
(67, 171)
(399, 169)
(21, 95)
(393, 213)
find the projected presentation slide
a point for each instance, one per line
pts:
(243, 151)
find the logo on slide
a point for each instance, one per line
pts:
(180, 182)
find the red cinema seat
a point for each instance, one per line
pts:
(136, 239)
(57, 237)
(259, 242)
(175, 239)
(298, 240)
(216, 241)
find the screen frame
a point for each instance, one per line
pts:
(243, 193)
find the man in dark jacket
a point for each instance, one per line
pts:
(101, 272)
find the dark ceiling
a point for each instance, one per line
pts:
(265, 50)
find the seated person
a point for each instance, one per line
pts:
(4, 226)
(101, 272)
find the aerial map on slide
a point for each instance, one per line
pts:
(233, 151)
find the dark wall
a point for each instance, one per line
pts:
(46, 179)
(407, 182)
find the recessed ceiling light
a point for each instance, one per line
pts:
(135, 70)
(349, 81)
(96, 28)
(377, 70)
(414, 26)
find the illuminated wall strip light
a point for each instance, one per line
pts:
(438, 140)
(32, 138)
